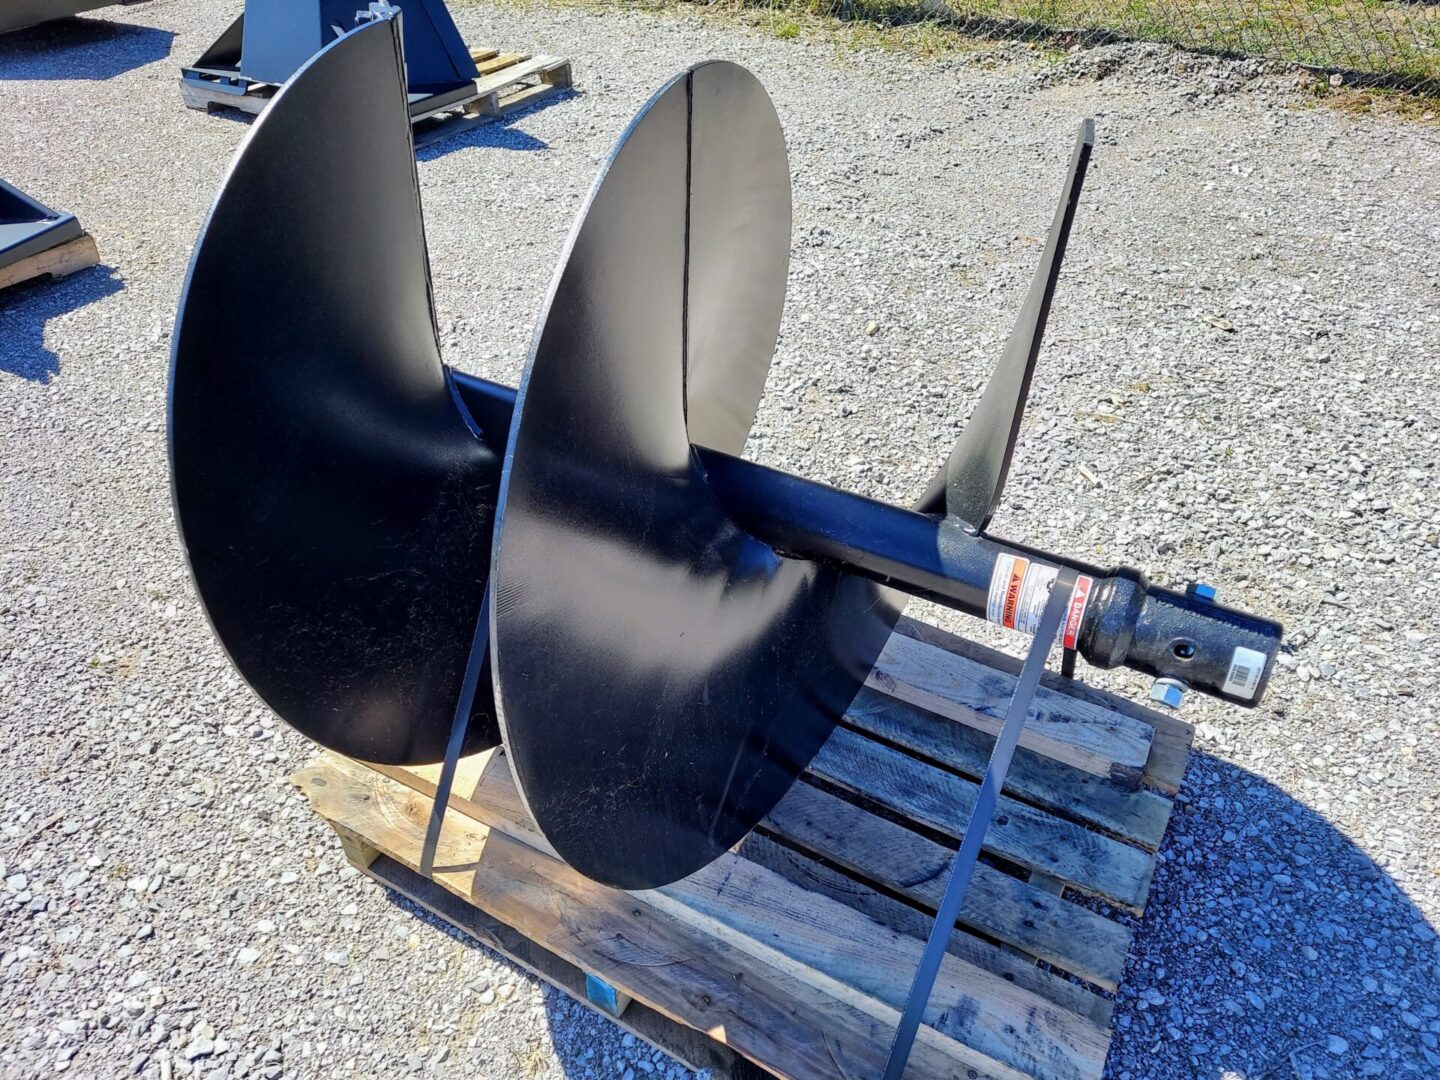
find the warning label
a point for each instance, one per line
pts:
(1079, 601)
(1019, 588)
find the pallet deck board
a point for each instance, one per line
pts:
(795, 949)
(678, 970)
(1013, 965)
(1170, 751)
(1020, 833)
(693, 1048)
(1065, 729)
(1139, 814)
(1003, 907)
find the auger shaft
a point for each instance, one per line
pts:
(1117, 618)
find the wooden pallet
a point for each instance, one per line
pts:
(794, 952)
(508, 82)
(58, 262)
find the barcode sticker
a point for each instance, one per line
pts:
(1246, 667)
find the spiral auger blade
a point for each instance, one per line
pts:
(663, 633)
(334, 483)
(968, 488)
(334, 501)
(661, 676)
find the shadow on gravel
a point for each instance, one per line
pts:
(1273, 948)
(89, 49)
(26, 308)
(499, 135)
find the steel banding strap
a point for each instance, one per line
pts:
(979, 824)
(459, 726)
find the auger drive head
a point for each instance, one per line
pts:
(661, 633)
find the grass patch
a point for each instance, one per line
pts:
(1392, 44)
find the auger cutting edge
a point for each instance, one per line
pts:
(661, 633)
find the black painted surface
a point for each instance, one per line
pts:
(334, 504)
(661, 676)
(968, 487)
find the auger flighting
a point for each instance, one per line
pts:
(661, 633)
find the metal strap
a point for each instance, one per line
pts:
(459, 726)
(964, 866)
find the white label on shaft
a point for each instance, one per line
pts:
(1246, 667)
(1019, 588)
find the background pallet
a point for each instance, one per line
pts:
(508, 82)
(795, 950)
(78, 254)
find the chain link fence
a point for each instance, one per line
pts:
(1391, 44)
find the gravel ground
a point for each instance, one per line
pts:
(1240, 383)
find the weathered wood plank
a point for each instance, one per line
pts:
(1067, 935)
(694, 1048)
(1023, 834)
(841, 949)
(528, 68)
(57, 262)
(499, 61)
(1012, 1031)
(1173, 737)
(1065, 729)
(197, 95)
(1021, 970)
(1139, 815)
(767, 1013)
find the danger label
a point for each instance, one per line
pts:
(1079, 601)
(1019, 589)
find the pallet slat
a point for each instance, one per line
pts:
(1013, 911)
(712, 891)
(758, 1010)
(62, 261)
(1007, 1030)
(1065, 729)
(1139, 815)
(757, 910)
(1010, 965)
(694, 1048)
(1170, 751)
(1021, 833)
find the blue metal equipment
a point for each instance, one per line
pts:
(273, 39)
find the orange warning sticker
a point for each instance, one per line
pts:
(1019, 589)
